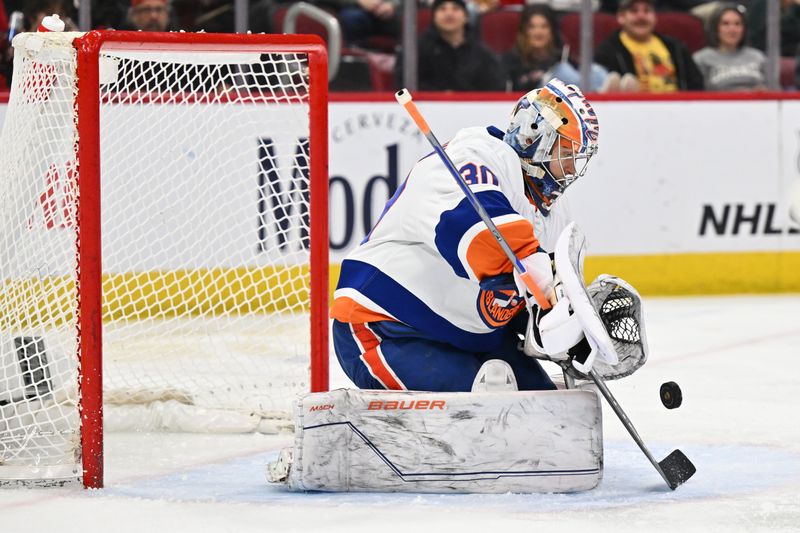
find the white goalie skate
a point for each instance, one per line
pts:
(278, 472)
(494, 376)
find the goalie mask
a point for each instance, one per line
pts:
(554, 131)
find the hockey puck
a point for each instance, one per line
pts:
(671, 395)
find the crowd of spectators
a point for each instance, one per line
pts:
(453, 53)
(539, 54)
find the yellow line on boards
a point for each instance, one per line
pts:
(691, 274)
(703, 273)
(49, 301)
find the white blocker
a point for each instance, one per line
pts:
(464, 442)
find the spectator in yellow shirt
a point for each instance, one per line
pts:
(647, 61)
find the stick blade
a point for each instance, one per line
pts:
(677, 469)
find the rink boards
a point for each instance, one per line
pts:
(685, 196)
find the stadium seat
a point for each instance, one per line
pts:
(498, 29)
(604, 25)
(424, 16)
(787, 72)
(682, 26)
(358, 69)
(381, 71)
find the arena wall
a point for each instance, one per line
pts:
(687, 194)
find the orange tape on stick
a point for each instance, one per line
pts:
(538, 295)
(404, 98)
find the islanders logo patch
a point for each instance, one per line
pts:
(498, 306)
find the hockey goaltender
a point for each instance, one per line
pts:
(442, 313)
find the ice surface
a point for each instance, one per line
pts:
(734, 358)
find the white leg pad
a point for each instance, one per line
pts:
(485, 442)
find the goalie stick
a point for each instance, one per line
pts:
(404, 98)
(676, 468)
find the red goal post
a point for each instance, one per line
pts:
(267, 84)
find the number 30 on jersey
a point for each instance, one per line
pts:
(474, 174)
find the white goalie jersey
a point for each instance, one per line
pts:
(423, 262)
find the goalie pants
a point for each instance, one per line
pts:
(391, 355)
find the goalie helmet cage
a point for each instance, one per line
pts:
(210, 154)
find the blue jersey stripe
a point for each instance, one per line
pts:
(454, 223)
(406, 307)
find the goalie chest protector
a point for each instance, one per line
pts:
(464, 442)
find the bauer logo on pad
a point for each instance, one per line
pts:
(380, 405)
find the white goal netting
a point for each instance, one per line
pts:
(205, 214)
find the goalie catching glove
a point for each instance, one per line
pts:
(557, 335)
(620, 309)
(606, 317)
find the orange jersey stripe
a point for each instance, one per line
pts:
(486, 258)
(366, 338)
(348, 310)
(378, 368)
(373, 358)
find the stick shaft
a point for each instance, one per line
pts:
(601, 384)
(404, 98)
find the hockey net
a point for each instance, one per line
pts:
(173, 223)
